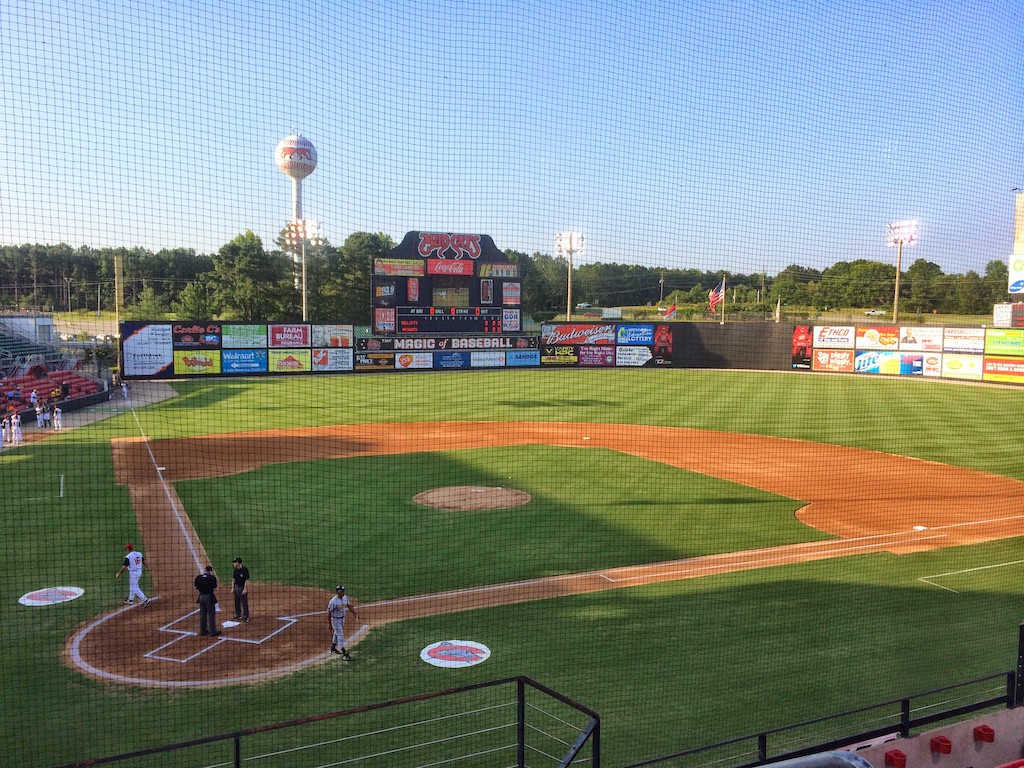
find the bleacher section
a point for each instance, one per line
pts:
(16, 353)
(45, 385)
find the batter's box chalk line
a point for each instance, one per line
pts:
(181, 634)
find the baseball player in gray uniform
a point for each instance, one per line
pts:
(336, 610)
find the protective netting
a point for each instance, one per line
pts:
(694, 554)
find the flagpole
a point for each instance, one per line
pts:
(725, 296)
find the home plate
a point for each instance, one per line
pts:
(230, 623)
(920, 527)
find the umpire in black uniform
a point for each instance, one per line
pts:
(206, 583)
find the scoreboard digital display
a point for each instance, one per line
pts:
(442, 320)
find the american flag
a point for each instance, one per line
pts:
(716, 295)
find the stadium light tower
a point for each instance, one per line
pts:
(567, 244)
(296, 159)
(900, 233)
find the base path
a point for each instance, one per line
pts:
(870, 501)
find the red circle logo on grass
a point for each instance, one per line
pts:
(51, 596)
(455, 653)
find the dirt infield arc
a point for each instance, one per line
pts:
(870, 501)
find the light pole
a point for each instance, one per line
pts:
(568, 243)
(900, 232)
(297, 233)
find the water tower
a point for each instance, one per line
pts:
(296, 159)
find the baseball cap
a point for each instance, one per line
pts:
(237, 560)
(129, 546)
(340, 588)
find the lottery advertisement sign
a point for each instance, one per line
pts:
(634, 334)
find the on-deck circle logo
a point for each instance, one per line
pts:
(455, 653)
(50, 596)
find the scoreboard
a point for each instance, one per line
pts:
(443, 320)
(446, 284)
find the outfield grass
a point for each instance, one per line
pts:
(669, 666)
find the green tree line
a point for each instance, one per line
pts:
(245, 280)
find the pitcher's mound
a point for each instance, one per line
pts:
(467, 498)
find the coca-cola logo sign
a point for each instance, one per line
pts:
(445, 267)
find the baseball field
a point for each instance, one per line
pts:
(696, 555)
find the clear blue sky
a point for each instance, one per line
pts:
(728, 134)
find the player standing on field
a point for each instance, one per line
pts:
(336, 610)
(134, 562)
(240, 589)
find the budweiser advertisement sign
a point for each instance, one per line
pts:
(447, 267)
(578, 333)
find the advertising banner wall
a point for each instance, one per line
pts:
(451, 360)
(932, 364)
(197, 362)
(288, 335)
(921, 339)
(244, 361)
(196, 335)
(877, 362)
(634, 334)
(146, 350)
(405, 361)
(633, 357)
(884, 338)
(522, 358)
(835, 360)
(1005, 369)
(243, 336)
(289, 361)
(374, 361)
(332, 336)
(1006, 342)
(559, 354)
(969, 340)
(962, 366)
(590, 356)
(577, 333)
(835, 336)
(332, 360)
(487, 359)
